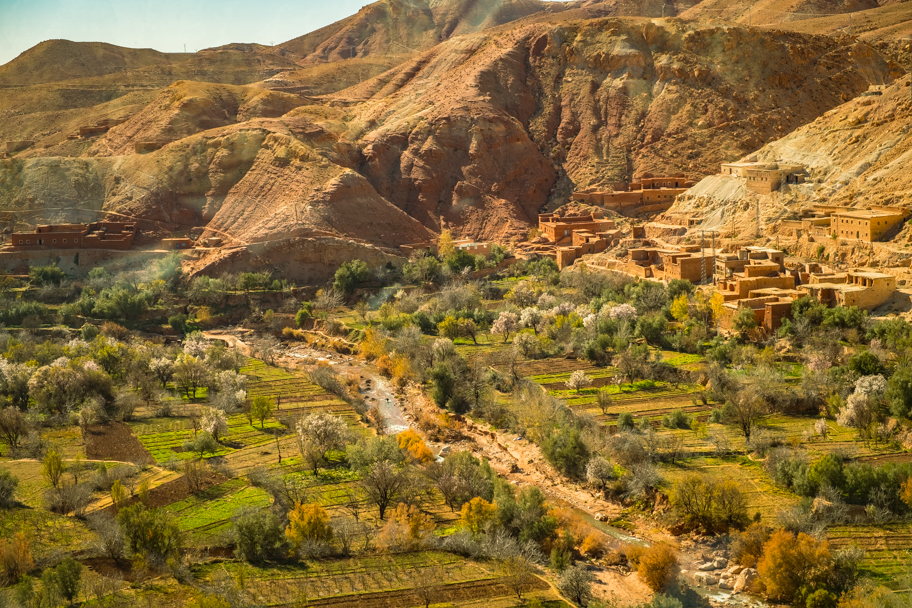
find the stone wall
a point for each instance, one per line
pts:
(78, 263)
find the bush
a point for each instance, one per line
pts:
(790, 563)
(625, 421)
(259, 536)
(46, 275)
(565, 449)
(658, 566)
(15, 558)
(8, 483)
(676, 420)
(150, 534)
(178, 322)
(747, 546)
(714, 505)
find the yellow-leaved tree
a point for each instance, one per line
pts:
(414, 446)
(680, 307)
(308, 522)
(445, 247)
(477, 515)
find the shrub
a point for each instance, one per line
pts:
(565, 449)
(625, 421)
(676, 420)
(15, 558)
(8, 483)
(657, 566)
(150, 533)
(790, 563)
(747, 546)
(259, 536)
(46, 275)
(178, 322)
(411, 443)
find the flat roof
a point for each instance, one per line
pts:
(868, 214)
(871, 275)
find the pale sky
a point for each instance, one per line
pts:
(164, 25)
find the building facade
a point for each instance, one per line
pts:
(99, 235)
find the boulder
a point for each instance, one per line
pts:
(726, 584)
(735, 570)
(706, 567)
(705, 578)
(720, 562)
(746, 580)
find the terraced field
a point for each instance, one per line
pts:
(209, 512)
(763, 495)
(886, 547)
(343, 579)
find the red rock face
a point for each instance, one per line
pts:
(481, 132)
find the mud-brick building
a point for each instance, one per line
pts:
(867, 225)
(99, 235)
(853, 288)
(647, 194)
(559, 230)
(754, 277)
(769, 308)
(766, 178)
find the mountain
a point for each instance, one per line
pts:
(59, 60)
(501, 110)
(857, 155)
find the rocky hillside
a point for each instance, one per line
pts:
(858, 154)
(479, 132)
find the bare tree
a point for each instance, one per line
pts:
(383, 483)
(518, 574)
(744, 411)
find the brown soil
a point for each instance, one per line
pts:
(115, 441)
(175, 490)
(113, 568)
(458, 592)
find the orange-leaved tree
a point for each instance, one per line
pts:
(790, 563)
(411, 443)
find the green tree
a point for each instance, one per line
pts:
(443, 382)
(53, 468)
(349, 275)
(305, 314)
(8, 485)
(68, 575)
(150, 533)
(899, 392)
(261, 408)
(46, 275)
(744, 322)
(259, 536)
(565, 449)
